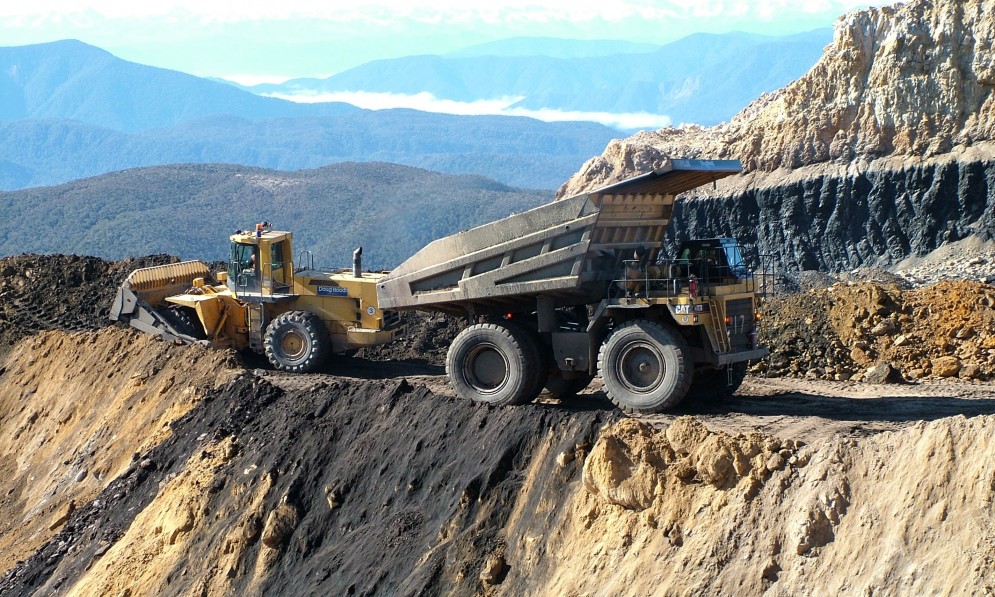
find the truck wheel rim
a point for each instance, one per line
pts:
(486, 369)
(640, 367)
(292, 345)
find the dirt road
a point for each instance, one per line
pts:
(801, 409)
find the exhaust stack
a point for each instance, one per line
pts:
(357, 263)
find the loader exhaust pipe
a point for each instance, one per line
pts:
(357, 263)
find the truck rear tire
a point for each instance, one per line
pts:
(645, 367)
(717, 384)
(297, 342)
(494, 364)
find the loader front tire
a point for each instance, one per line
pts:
(297, 342)
(493, 364)
(645, 367)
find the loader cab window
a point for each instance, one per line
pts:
(282, 271)
(243, 268)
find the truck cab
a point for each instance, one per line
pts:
(715, 259)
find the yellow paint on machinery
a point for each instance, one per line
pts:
(261, 283)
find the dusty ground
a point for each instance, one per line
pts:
(811, 410)
(138, 467)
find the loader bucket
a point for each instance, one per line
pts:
(140, 300)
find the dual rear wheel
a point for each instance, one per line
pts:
(495, 364)
(646, 368)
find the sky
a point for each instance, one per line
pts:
(256, 41)
(279, 39)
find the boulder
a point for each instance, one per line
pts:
(948, 366)
(280, 524)
(883, 373)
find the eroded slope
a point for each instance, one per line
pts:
(239, 487)
(77, 409)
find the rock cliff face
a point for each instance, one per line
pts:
(836, 223)
(883, 150)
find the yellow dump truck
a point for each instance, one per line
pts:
(558, 294)
(294, 313)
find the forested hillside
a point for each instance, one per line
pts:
(189, 211)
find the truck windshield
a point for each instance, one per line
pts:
(737, 267)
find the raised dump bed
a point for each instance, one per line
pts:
(568, 250)
(558, 294)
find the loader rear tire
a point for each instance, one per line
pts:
(493, 364)
(645, 367)
(297, 342)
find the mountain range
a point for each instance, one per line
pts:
(702, 78)
(151, 157)
(69, 110)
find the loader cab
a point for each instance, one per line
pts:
(260, 263)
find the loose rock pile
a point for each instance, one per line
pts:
(846, 331)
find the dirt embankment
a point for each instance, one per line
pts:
(352, 487)
(844, 331)
(239, 487)
(60, 292)
(78, 409)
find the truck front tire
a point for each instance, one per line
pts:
(493, 364)
(645, 367)
(297, 342)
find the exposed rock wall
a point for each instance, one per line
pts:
(911, 80)
(883, 150)
(835, 223)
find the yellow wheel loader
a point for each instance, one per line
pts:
(297, 315)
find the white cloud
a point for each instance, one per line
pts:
(426, 102)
